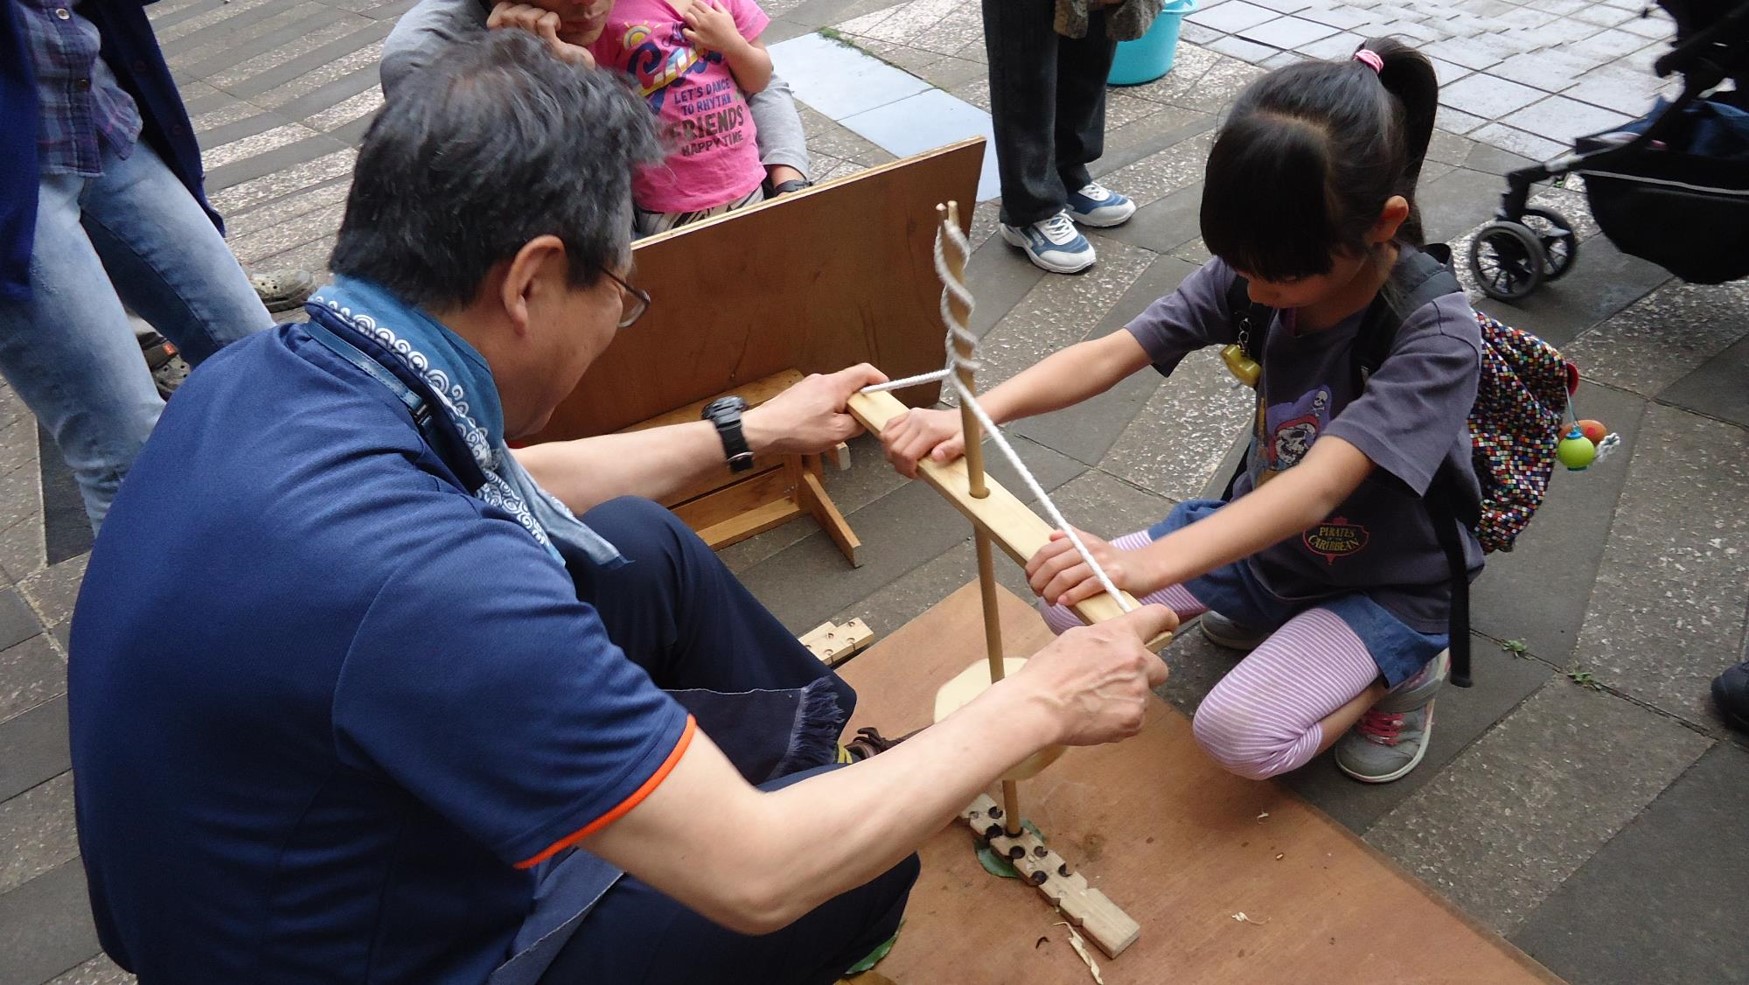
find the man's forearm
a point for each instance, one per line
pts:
(653, 464)
(855, 822)
(881, 810)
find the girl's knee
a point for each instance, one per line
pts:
(1243, 741)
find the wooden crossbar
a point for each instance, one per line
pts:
(1014, 527)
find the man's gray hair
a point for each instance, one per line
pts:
(496, 144)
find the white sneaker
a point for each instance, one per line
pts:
(1053, 244)
(1097, 205)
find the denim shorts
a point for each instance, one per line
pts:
(1236, 592)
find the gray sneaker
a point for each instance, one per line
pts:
(1222, 631)
(1052, 243)
(1391, 738)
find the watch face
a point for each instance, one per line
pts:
(722, 406)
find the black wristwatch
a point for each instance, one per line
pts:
(725, 413)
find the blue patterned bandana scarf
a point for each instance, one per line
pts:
(467, 398)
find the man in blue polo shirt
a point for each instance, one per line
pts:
(433, 712)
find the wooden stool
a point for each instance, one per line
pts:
(734, 506)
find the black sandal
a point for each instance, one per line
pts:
(792, 185)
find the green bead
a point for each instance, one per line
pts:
(1576, 451)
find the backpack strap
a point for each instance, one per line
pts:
(1428, 276)
(1446, 509)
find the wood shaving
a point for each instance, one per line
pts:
(1080, 947)
(1242, 918)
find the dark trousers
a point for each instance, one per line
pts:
(679, 613)
(1047, 104)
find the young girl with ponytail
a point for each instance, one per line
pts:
(1323, 563)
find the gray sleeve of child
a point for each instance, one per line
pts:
(1194, 316)
(1412, 411)
(423, 32)
(781, 140)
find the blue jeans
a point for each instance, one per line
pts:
(1235, 591)
(133, 236)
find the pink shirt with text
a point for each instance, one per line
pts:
(707, 130)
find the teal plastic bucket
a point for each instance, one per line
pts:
(1150, 56)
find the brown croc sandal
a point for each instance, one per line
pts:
(870, 742)
(283, 290)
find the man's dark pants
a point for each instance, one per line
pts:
(1047, 104)
(680, 614)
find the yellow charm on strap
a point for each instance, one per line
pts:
(1242, 366)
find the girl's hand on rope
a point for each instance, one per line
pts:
(1060, 577)
(1095, 680)
(918, 434)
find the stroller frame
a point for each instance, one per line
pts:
(1526, 246)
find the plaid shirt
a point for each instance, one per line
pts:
(84, 108)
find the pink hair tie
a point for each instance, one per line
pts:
(1371, 59)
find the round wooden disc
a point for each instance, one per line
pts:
(975, 680)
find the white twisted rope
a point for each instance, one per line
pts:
(953, 288)
(956, 329)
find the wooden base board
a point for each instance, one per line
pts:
(1179, 844)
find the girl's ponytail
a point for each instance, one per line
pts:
(1310, 154)
(1409, 76)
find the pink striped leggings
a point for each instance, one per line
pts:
(1263, 718)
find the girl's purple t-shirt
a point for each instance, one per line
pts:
(708, 133)
(1409, 419)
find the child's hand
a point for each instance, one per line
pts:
(543, 24)
(710, 26)
(916, 434)
(1060, 577)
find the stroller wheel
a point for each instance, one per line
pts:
(1560, 245)
(1507, 259)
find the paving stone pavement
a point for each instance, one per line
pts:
(1583, 799)
(1522, 76)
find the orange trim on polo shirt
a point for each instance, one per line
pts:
(624, 807)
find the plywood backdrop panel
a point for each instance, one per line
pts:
(815, 281)
(1178, 843)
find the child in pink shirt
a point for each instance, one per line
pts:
(695, 61)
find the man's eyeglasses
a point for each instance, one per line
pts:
(634, 302)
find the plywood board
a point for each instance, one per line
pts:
(816, 280)
(1181, 845)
